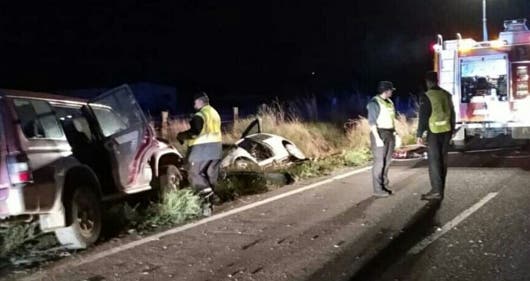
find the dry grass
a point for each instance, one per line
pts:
(358, 133)
(170, 131)
(406, 129)
(316, 140)
(309, 137)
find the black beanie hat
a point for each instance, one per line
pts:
(201, 95)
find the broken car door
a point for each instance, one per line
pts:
(126, 137)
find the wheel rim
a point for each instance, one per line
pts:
(86, 217)
(172, 181)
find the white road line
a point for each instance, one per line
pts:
(450, 225)
(155, 237)
(482, 150)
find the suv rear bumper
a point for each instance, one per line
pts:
(12, 206)
(3, 204)
(11, 202)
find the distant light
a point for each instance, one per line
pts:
(313, 73)
(69, 116)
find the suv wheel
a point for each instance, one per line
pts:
(170, 178)
(84, 212)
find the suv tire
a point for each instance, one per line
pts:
(169, 179)
(83, 211)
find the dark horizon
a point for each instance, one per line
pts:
(237, 48)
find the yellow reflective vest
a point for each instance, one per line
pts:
(440, 119)
(211, 129)
(387, 113)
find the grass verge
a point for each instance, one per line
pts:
(175, 207)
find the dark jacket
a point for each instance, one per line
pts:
(426, 110)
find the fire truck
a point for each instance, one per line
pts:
(489, 82)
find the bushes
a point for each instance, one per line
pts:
(240, 183)
(357, 157)
(15, 235)
(175, 207)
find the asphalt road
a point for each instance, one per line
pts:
(337, 231)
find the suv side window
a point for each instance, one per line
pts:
(116, 113)
(37, 119)
(110, 122)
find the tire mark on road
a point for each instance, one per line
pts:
(253, 243)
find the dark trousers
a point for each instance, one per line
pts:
(203, 174)
(438, 152)
(382, 158)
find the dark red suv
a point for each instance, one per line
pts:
(61, 157)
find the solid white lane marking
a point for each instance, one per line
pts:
(91, 258)
(482, 150)
(451, 224)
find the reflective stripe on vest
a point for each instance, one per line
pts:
(440, 119)
(211, 128)
(387, 113)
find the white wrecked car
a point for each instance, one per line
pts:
(410, 152)
(260, 150)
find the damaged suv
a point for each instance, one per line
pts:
(61, 158)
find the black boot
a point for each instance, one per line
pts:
(381, 194)
(387, 190)
(431, 195)
(206, 195)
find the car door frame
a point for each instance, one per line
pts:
(255, 123)
(112, 143)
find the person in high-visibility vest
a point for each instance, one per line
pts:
(437, 118)
(381, 116)
(204, 142)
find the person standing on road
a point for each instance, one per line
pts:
(437, 117)
(381, 116)
(204, 141)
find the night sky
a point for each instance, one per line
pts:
(233, 47)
